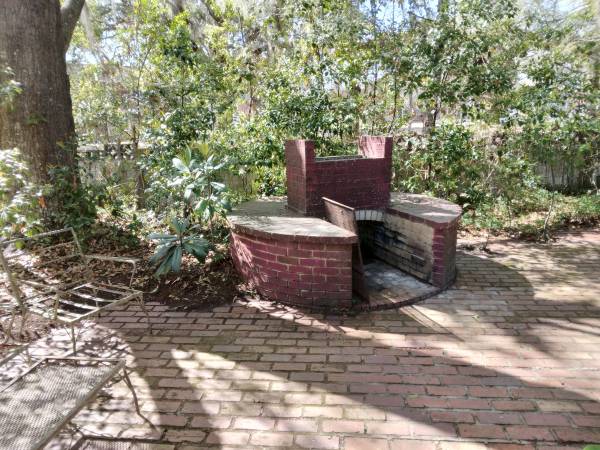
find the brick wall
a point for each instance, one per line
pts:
(407, 245)
(426, 249)
(357, 181)
(316, 274)
(444, 255)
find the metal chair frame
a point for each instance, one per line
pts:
(118, 365)
(66, 296)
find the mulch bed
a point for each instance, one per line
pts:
(196, 287)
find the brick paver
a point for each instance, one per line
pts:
(508, 358)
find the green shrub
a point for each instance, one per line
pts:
(172, 247)
(78, 201)
(19, 207)
(27, 208)
(270, 181)
(447, 163)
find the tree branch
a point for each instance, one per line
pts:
(69, 12)
(213, 11)
(177, 7)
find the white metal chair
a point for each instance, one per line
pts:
(38, 403)
(50, 276)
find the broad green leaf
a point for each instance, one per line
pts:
(160, 254)
(166, 264)
(176, 259)
(179, 165)
(161, 236)
(179, 226)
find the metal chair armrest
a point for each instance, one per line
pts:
(16, 352)
(113, 258)
(118, 259)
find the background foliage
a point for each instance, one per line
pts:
(493, 105)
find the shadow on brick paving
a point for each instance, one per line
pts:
(262, 374)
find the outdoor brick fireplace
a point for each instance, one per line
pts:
(286, 249)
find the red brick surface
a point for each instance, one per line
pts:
(360, 182)
(315, 274)
(508, 358)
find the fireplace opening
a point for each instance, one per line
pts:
(385, 279)
(391, 257)
(399, 246)
(367, 230)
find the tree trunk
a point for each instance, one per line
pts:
(40, 120)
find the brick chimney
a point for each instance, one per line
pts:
(361, 181)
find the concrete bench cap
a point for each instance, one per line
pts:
(270, 218)
(434, 211)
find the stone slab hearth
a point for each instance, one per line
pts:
(391, 287)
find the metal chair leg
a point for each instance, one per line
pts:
(131, 388)
(73, 340)
(28, 355)
(11, 322)
(24, 315)
(145, 310)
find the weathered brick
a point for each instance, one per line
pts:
(272, 439)
(343, 426)
(452, 416)
(323, 411)
(513, 405)
(168, 420)
(560, 406)
(299, 425)
(391, 428)
(317, 441)
(529, 433)
(468, 403)
(210, 422)
(546, 419)
(481, 431)
(228, 438)
(363, 412)
(499, 418)
(576, 435)
(253, 423)
(487, 391)
(413, 444)
(185, 435)
(362, 443)
(423, 401)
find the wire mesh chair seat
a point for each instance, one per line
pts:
(37, 404)
(80, 301)
(50, 276)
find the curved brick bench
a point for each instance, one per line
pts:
(292, 258)
(307, 261)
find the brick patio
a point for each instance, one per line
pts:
(507, 358)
